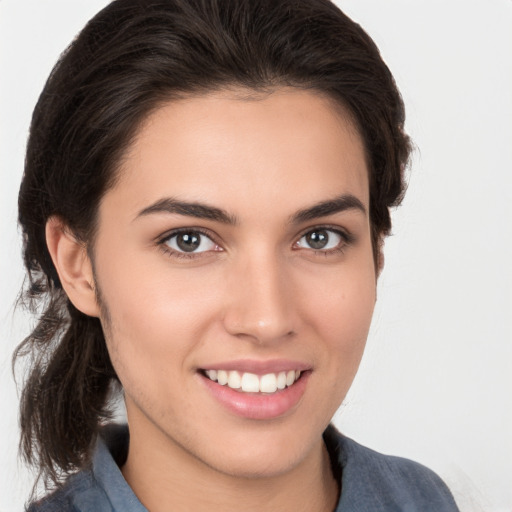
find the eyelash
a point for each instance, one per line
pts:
(347, 240)
(162, 243)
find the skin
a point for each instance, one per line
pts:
(256, 291)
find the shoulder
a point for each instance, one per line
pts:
(374, 481)
(100, 487)
(79, 493)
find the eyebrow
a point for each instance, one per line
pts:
(203, 211)
(197, 210)
(324, 208)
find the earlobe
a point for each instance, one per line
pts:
(73, 265)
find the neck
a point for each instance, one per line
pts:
(165, 477)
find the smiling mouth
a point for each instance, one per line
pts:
(246, 382)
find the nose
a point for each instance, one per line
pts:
(260, 301)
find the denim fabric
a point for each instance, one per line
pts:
(370, 481)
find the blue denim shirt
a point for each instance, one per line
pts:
(370, 481)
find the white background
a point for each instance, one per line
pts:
(436, 382)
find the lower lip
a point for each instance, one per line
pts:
(258, 406)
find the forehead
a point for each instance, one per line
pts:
(241, 150)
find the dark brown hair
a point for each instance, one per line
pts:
(129, 58)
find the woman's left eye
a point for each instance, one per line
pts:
(190, 241)
(321, 239)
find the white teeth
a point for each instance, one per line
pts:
(252, 383)
(268, 383)
(222, 377)
(234, 380)
(212, 374)
(281, 380)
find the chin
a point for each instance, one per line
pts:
(260, 464)
(267, 451)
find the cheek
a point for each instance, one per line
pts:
(154, 331)
(341, 311)
(154, 312)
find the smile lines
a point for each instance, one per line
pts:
(252, 383)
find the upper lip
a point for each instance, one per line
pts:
(259, 367)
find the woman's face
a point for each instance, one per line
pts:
(236, 246)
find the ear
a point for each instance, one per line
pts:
(73, 265)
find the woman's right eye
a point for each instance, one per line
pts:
(189, 242)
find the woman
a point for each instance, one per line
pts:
(206, 193)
